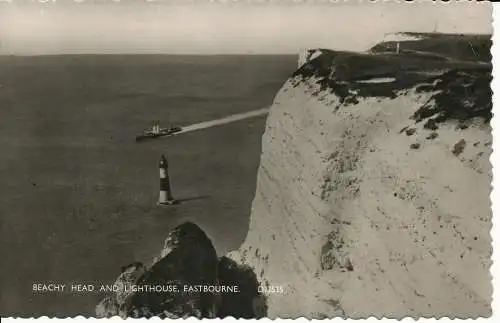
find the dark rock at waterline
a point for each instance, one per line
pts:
(191, 261)
(188, 259)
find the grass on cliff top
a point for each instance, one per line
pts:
(444, 46)
(462, 85)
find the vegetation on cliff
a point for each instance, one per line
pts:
(455, 67)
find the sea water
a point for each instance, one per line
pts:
(78, 194)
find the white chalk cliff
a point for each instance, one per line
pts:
(373, 188)
(307, 55)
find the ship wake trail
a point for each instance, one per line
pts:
(228, 119)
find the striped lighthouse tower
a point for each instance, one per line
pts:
(165, 190)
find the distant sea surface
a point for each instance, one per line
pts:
(78, 194)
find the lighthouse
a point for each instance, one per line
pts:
(165, 190)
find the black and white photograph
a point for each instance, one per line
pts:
(247, 159)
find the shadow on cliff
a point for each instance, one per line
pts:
(189, 262)
(246, 304)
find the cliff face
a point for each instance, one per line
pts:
(373, 189)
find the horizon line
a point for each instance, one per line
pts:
(148, 54)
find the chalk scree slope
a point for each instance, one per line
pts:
(373, 188)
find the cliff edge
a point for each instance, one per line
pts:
(373, 188)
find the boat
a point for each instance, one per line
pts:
(156, 132)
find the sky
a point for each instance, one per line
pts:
(40, 27)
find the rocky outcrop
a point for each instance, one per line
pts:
(187, 259)
(373, 189)
(117, 304)
(189, 262)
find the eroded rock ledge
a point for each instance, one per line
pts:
(187, 259)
